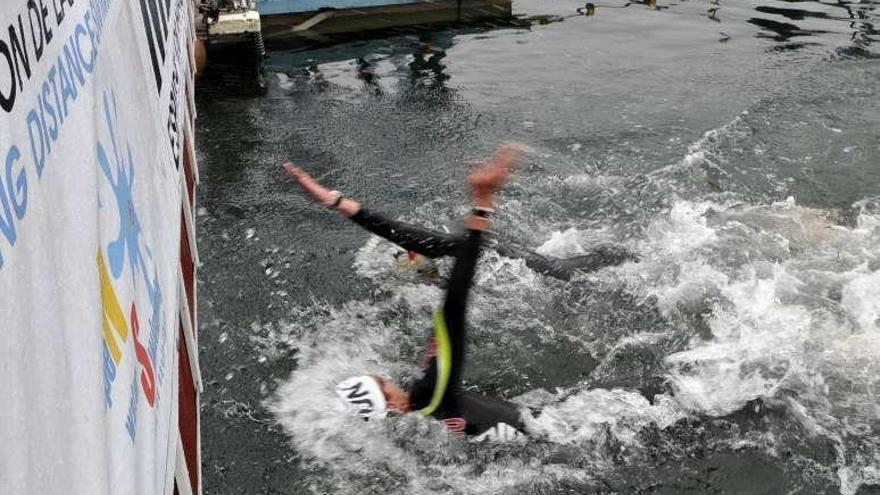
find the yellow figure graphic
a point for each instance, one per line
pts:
(113, 325)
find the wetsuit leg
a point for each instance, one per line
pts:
(565, 268)
(454, 312)
(436, 392)
(600, 257)
(545, 265)
(426, 242)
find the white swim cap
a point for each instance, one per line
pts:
(363, 395)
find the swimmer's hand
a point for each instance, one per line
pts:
(310, 186)
(323, 196)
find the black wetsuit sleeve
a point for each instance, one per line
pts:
(455, 312)
(424, 241)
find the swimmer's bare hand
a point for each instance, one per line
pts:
(487, 178)
(321, 194)
(310, 186)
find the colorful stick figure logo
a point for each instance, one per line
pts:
(126, 251)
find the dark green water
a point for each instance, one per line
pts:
(733, 146)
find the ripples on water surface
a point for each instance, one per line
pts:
(732, 145)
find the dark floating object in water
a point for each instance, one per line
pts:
(588, 9)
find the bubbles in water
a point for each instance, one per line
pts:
(591, 414)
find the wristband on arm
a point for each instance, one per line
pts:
(336, 201)
(482, 212)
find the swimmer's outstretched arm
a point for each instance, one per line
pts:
(423, 241)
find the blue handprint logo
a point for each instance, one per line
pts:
(118, 168)
(122, 184)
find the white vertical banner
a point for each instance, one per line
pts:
(91, 96)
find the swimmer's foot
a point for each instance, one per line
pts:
(487, 178)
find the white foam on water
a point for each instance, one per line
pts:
(590, 415)
(755, 349)
(347, 341)
(701, 152)
(377, 258)
(572, 242)
(283, 81)
(794, 317)
(563, 244)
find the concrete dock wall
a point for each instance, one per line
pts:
(389, 16)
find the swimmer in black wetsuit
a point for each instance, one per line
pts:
(437, 393)
(433, 244)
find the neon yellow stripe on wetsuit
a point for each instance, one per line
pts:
(444, 363)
